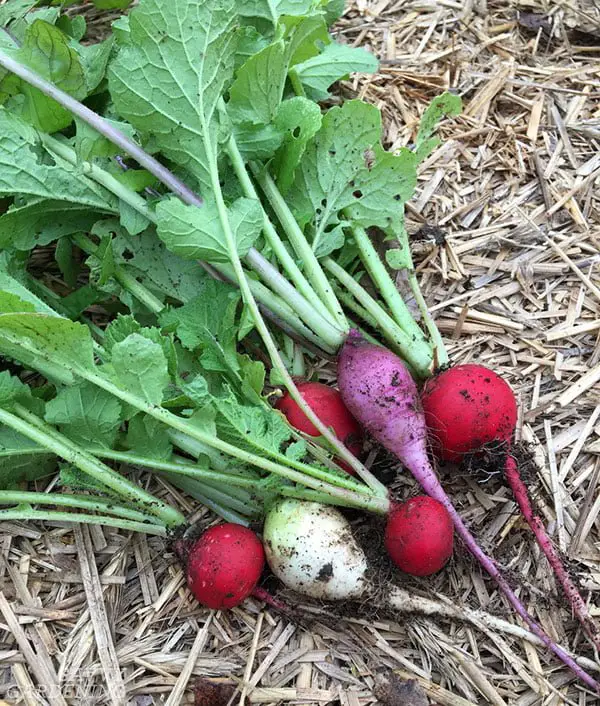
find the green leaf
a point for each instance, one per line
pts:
(74, 27)
(15, 9)
(56, 347)
(345, 169)
(196, 233)
(20, 458)
(112, 4)
(94, 59)
(334, 9)
(90, 143)
(257, 141)
(197, 391)
(45, 50)
(274, 9)
(158, 268)
(440, 106)
(11, 286)
(250, 42)
(69, 268)
(207, 323)
(171, 70)
(11, 390)
(140, 367)
(257, 91)
(250, 427)
(149, 438)
(299, 119)
(26, 171)
(253, 378)
(88, 415)
(306, 37)
(119, 329)
(42, 221)
(332, 64)
(12, 303)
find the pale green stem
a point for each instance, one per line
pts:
(25, 513)
(410, 350)
(386, 286)
(82, 502)
(279, 249)
(306, 475)
(301, 246)
(33, 428)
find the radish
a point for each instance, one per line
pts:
(326, 402)
(379, 391)
(310, 548)
(469, 406)
(419, 536)
(224, 565)
(465, 408)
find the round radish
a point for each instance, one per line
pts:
(419, 536)
(326, 402)
(224, 565)
(310, 548)
(467, 407)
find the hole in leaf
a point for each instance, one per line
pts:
(296, 131)
(357, 194)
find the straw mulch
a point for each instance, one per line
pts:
(508, 236)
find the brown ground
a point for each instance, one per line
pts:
(104, 616)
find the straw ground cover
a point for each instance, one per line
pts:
(507, 236)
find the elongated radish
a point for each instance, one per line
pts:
(326, 402)
(419, 536)
(469, 406)
(379, 391)
(224, 565)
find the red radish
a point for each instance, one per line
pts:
(379, 391)
(326, 402)
(224, 565)
(419, 536)
(467, 407)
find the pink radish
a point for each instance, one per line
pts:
(378, 390)
(469, 406)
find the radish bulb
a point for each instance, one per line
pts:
(310, 548)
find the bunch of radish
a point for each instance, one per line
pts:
(310, 546)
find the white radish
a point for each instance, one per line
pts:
(311, 549)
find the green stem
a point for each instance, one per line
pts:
(296, 83)
(350, 303)
(306, 475)
(35, 429)
(301, 247)
(386, 286)
(440, 354)
(279, 249)
(416, 356)
(182, 468)
(329, 340)
(83, 502)
(24, 513)
(196, 492)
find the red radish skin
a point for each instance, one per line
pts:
(326, 402)
(465, 408)
(224, 565)
(419, 536)
(469, 406)
(379, 391)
